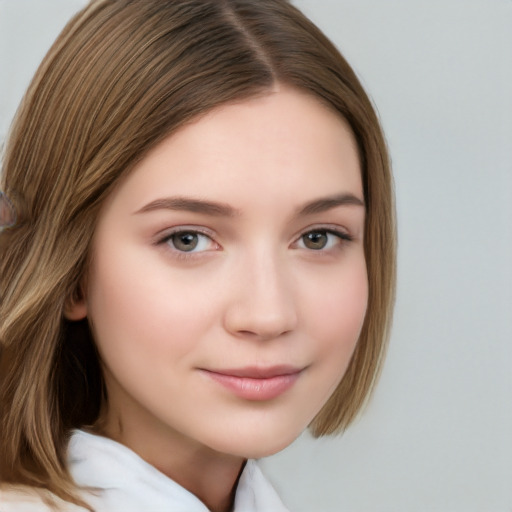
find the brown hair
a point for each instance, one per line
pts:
(123, 75)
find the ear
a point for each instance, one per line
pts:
(75, 307)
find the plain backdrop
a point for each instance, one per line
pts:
(437, 436)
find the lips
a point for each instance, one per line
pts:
(256, 383)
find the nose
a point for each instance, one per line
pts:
(262, 303)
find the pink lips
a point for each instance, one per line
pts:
(254, 383)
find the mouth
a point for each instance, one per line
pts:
(255, 383)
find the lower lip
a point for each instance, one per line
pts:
(255, 389)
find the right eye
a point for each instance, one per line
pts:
(188, 241)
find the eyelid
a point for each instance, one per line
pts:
(163, 237)
(334, 229)
(343, 234)
(188, 228)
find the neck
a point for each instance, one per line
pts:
(211, 479)
(210, 475)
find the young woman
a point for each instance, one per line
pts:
(197, 257)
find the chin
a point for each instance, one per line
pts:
(267, 451)
(256, 445)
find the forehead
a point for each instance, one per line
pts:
(285, 144)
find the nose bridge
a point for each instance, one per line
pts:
(263, 302)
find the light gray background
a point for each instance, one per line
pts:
(437, 437)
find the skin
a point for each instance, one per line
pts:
(254, 292)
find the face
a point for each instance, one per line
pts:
(228, 284)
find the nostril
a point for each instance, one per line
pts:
(262, 332)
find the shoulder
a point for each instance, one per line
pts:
(20, 498)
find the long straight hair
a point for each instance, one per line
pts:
(122, 76)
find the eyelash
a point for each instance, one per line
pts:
(342, 236)
(183, 230)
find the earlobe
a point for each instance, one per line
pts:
(75, 307)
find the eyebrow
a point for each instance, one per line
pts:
(224, 210)
(328, 203)
(190, 205)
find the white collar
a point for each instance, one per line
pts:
(127, 483)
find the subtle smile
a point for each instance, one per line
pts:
(257, 384)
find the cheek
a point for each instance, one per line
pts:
(135, 311)
(337, 312)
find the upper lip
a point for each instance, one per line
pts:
(258, 372)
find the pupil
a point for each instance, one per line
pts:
(185, 241)
(315, 240)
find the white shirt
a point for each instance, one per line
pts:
(126, 483)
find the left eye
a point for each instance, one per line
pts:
(189, 241)
(320, 240)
